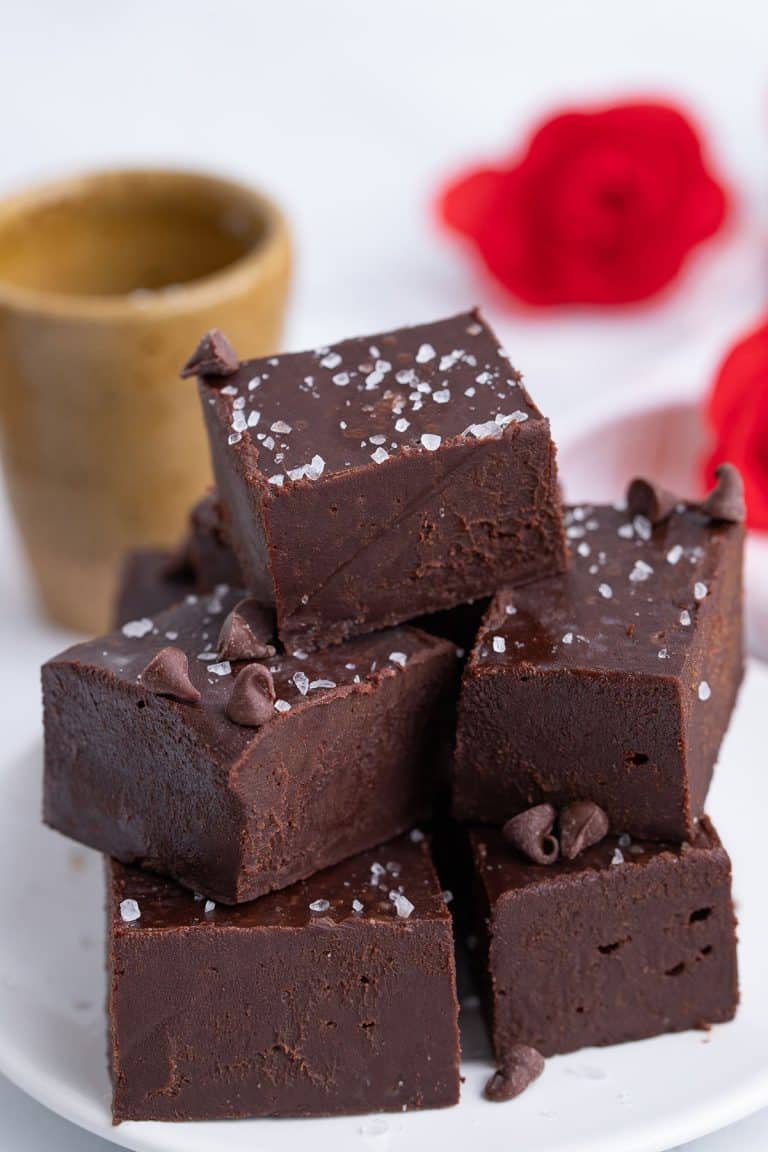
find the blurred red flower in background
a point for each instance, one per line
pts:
(602, 207)
(738, 416)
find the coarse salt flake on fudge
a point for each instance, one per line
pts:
(613, 682)
(383, 478)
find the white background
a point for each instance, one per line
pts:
(352, 113)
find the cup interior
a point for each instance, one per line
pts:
(123, 233)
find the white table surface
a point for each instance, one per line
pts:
(351, 113)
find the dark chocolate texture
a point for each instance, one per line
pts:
(336, 995)
(349, 758)
(383, 478)
(614, 682)
(630, 940)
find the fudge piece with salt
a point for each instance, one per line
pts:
(614, 682)
(628, 940)
(383, 478)
(337, 995)
(184, 742)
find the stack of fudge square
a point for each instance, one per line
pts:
(385, 637)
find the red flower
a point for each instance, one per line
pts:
(601, 209)
(738, 414)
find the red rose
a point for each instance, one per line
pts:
(737, 412)
(602, 208)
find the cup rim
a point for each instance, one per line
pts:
(172, 300)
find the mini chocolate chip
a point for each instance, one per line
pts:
(644, 498)
(582, 823)
(529, 832)
(252, 697)
(214, 356)
(246, 631)
(522, 1065)
(167, 674)
(726, 500)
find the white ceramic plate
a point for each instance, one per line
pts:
(645, 1096)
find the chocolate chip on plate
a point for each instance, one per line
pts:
(521, 1067)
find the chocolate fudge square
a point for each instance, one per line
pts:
(346, 756)
(337, 995)
(627, 941)
(383, 478)
(614, 682)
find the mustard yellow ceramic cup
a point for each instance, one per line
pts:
(107, 282)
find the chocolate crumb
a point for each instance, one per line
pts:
(167, 674)
(252, 699)
(582, 823)
(726, 500)
(522, 1066)
(530, 833)
(644, 498)
(214, 356)
(246, 632)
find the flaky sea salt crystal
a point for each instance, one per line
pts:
(674, 554)
(280, 428)
(425, 353)
(499, 644)
(584, 549)
(484, 378)
(332, 360)
(510, 610)
(301, 680)
(643, 527)
(568, 638)
(207, 656)
(605, 591)
(341, 379)
(238, 403)
(380, 455)
(416, 835)
(704, 691)
(135, 629)
(229, 390)
(431, 441)
(319, 906)
(209, 906)
(640, 572)
(490, 430)
(239, 422)
(357, 906)
(129, 911)
(626, 531)
(277, 480)
(402, 425)
(618, 856)
(700, 590)
(685, 618)
(447, 362)
(282, 706)
(624, 840)
(442, 396)
(315, 684)
(254, 383)
(402, 904)
(516, 417)
(222, 669)
(399, 658)
(315, 468)
(253, 418)
(234, 438)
